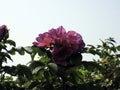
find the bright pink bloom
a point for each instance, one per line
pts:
(64, 44)
(44, 40)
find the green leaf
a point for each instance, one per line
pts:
(41, 52)
(9, 78)
(28, 49)
(111, 39)
(90, 65)
(118, 48)
(77, 77)
(37, 69)
(92, 51)
(23, 70)
(8, 56)
(20, 50)
(76, 59)
(32, 56)
(113, 49)
(12, 51)
(33, 84)
(10, 70)
(3, 54)
(47, 75)
(2, 45)
(35, 49)
(91, 46)
(35, 64)
(53, 67)
(11, 42)
(27, 84)
(45, 59)
(117, 74)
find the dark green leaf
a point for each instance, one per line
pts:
(111, 39)
(37, 69)
(47, 75)
(28, 49)
(20, 50)
(118, 48)
(41, 52)
(12, 51)
(3, 54)
(35, 64)
(113, 49)
(76, 59)
(35, 49)
(91, 46)
(45, 59)
(117, 73)
(77, 77)
(8, 56)
(32, 56)
(92, 51)
(2, 45)
(24, 70)
(33, 84)
(10, 70)
(90, 65)
(53, 67)
(11, 42)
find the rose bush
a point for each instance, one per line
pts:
(59, 64)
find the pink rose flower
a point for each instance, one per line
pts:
(64, 44)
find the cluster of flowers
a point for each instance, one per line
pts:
(62, 44)
(3, 31)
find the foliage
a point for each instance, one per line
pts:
(42, 73)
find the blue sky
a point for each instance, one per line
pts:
(93, 19)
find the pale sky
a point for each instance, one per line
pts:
(93, 19)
